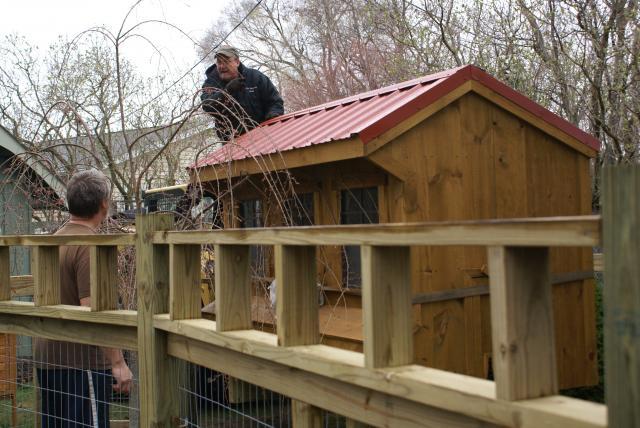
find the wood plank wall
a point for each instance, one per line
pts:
(474, 160)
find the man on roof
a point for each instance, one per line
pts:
(239, 98)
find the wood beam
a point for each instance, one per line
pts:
(389, 164)
(159, 403)
(46, 276)
(233, 291)
(123, 239)
(297, 314)
(104, 277)
(539, 232)
(386, 306)
(112, 336)
(621, 214)
(523, 333)
(467, 395)
(71, 312)
(233, 300)
(296, 296)
(184, 278)
(313, 155)
(355, 402)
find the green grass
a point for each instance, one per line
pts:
(26, 401)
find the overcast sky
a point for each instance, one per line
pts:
(42, 21)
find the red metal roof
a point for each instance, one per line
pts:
(370, 114)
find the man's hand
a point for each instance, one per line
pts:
(122, 375)
(235, 85)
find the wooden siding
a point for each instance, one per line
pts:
(471, 160)
(474, 160)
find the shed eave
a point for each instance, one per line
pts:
(338, 150)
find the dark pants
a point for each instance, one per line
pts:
(68, 399)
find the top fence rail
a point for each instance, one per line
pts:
(579, 231)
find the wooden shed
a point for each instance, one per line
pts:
(456, 145)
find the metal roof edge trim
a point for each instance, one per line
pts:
(534, 108)
(439, 89)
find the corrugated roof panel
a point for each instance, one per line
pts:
(369, 115)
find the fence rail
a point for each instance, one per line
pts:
(380, 386)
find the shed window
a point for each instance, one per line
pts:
(299, 210)
(251, 213)
(251, 216)
(358, 206)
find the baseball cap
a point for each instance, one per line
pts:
(227, 51)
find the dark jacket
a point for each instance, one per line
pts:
(237, 113)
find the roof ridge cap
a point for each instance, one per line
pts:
(372, 93)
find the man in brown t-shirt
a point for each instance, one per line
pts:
(76, 380)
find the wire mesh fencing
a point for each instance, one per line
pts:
(212, 399)
(48, 384)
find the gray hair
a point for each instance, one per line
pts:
(86, 192)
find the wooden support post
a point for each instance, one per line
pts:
(233, 299)
(159, 403)
(621, 226)
(305, 415)
(5, 273)
(524, 356)
(296, 296)
(46, 276)
(104, 277)
(233, 290)
(298, 321)
(386, 305)
(184, 277)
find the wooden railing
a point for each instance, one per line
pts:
(380, 386)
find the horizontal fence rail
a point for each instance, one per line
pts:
(535, 232)
(380, 386)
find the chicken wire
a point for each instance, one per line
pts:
(212, 399)
(26, 395)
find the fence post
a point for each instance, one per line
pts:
(159, 404)
(621, 223)
(233, 292)
(524, 357)
(184, 277)
(46, 275)
(104, 277)
(5, 273)
(386, 306)
(233, 301)
(297, 313)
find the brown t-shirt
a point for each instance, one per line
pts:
(74, 285)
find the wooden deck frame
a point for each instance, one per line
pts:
(384, 390)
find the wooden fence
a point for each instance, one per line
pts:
(380, 386)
